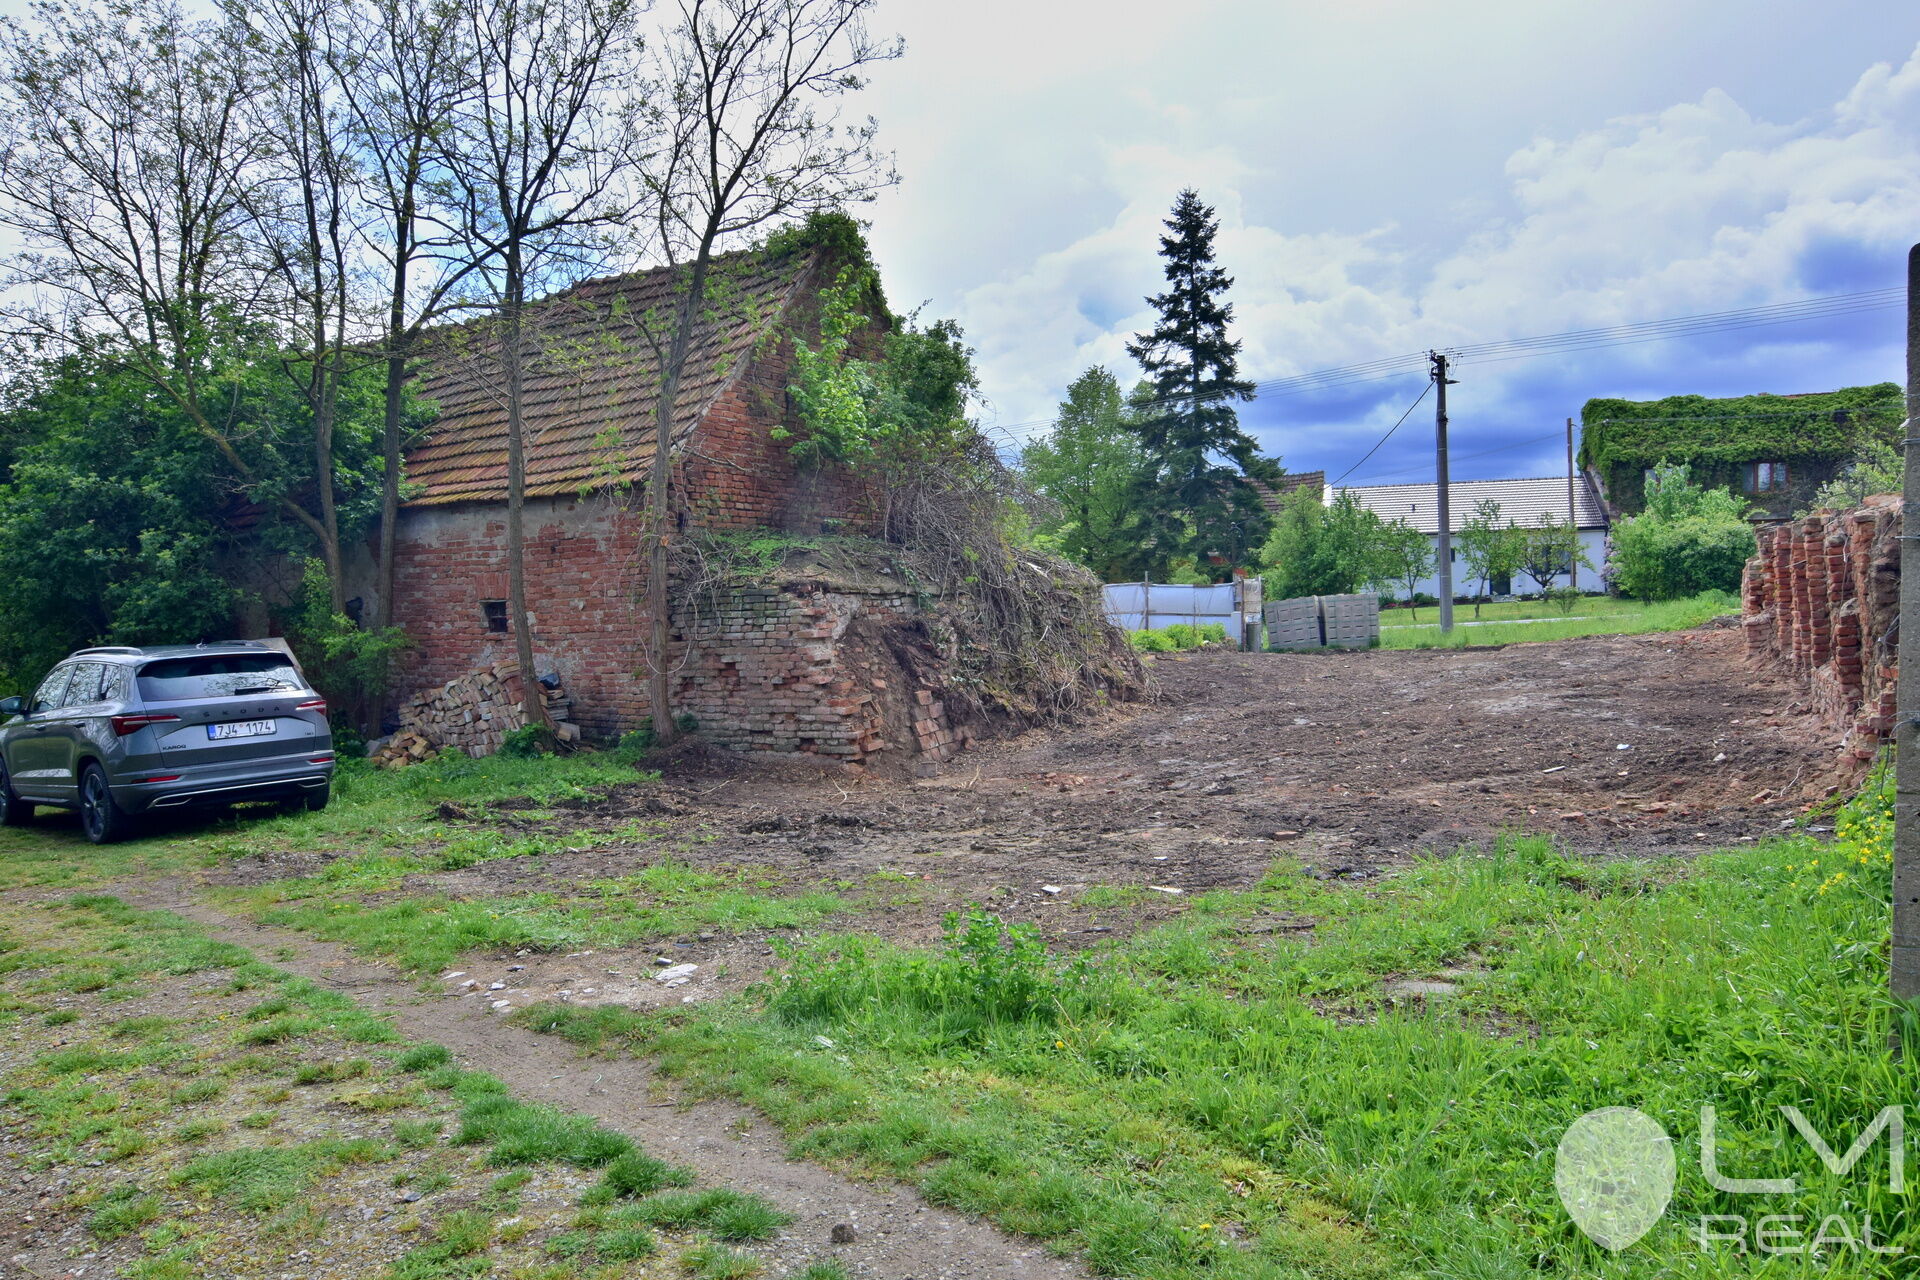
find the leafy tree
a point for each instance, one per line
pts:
(1549, 550)
(1688, 540)
(1191, 503)
(1489, 548)
(1401, 555)
(111, 527)
(1087, 465)
(1876, 467)
(1319, 549)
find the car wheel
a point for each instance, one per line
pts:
(101, 817)
(14, 812)
(315, 801)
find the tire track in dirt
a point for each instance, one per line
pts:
(899, 1235)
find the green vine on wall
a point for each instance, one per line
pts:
(1638, 434)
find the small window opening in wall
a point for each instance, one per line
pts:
(495, 612)
(1766, 477)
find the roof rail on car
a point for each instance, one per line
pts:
(109, 648)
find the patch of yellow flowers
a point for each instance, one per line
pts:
(1861, 854)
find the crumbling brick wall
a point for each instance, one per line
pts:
(1819, 602)
(812, 669)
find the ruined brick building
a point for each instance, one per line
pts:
(804, 662)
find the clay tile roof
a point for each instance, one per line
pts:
(1272, 496)
(591, 380)
(1526, 503)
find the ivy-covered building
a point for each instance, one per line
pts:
(1775, 450)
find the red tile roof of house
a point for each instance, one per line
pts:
(1273, 495)
(591, 381)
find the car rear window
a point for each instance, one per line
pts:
(219, 675)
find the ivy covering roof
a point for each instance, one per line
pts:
(1737, 429)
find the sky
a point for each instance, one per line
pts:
(1396, 175)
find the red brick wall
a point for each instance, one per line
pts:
(1819, 602)
(586, 588)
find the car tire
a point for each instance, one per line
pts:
(315, 801)
(14, 812)
(101, 817)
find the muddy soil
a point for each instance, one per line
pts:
(1352, 763)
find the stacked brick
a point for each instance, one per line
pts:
(1820, 601)
(473, 713)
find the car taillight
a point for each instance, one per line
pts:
(161, 777)
(124, 725)
(320, 760)
(312, 704)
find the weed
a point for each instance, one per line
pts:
(635, 1173)
(60, 1018)
(123, 1211)
(259, 1120)
(713, 1261)
(821, 1271)
(522, 1133)
(423, 1057)
(201, 1090)
(414, 1134)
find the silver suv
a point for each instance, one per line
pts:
(119, 731)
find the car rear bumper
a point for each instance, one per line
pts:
(189, 792)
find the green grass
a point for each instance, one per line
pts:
(374, 812)
(1510, 610)
(1209, 1101)
(231, 1177)
(1635, 619)
(429, 932)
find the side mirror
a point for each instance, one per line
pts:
(13, 706)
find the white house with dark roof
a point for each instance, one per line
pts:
(1528, 503)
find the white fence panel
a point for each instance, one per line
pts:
(1151, 606)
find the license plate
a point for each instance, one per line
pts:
(240, 729)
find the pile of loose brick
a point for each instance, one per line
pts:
(472, 713)
(1820, 601)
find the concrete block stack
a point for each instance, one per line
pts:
(1319, 622)
(1819, 603)
(473, 713)
(1350, 622)
(1293, 624)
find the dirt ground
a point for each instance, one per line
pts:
(1352, 763)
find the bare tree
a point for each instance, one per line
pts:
(131, 159)
(307, 220)
(747, 135)
(537, 155)
(404, 69)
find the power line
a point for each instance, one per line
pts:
(1342, 376)
(1463, 457)
(1390, 430)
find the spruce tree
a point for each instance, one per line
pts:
(1192, 495)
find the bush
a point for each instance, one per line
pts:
(1152, 642)
(528, 742)
(1183, 635)
(1214, 633)
(1689, 540)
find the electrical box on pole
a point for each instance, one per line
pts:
(1443, 552)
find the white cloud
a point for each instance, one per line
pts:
(1700, 206)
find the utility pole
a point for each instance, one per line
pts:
(1904, 966)
(1573, 520)
(1445, 550)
